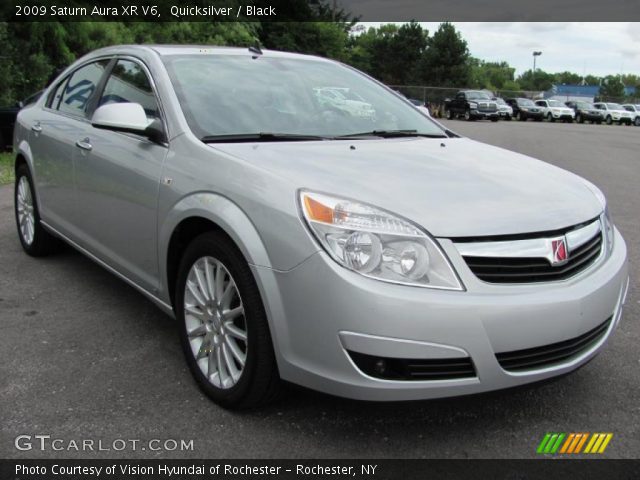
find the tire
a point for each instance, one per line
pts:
(255, 381)
(636, 122)
(35, 240)
(550, 118)
(449, 115)
(495, 119)
(519, 117)
(538, 119)
(508, 118)
(608, 120)
(579, 118)
(467, 115)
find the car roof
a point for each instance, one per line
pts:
(167, 50)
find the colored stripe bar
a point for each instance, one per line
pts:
(543, 443)
(550, 443)
(567, 443)
(591, 442)
(581, 442)
(555, 447)
(605, 443)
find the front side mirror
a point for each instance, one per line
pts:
(20, 104)
(129, 118)
(121, 117)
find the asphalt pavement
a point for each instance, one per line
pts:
(84, 356)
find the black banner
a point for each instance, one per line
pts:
(314, 10)
(543, 469)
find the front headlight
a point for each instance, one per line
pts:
(377, 244)
(473, 105)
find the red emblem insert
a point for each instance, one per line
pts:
(559, 249)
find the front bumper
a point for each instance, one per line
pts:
(319, 310)
(484, 114)
(562, 116)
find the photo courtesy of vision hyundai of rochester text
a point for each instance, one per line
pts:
(304, 223)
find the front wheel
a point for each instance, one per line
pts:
(35, 240)
(579, 119)
(223, 326)
(636, 122)
(608, 120)
(449, 115)
(467, 115)
(550, 118)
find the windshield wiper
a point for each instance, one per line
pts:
(260, 137)
(391, 134)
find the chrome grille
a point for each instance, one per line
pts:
(531, 260)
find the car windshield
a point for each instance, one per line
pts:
(228, 95)
(477, 96)
(525, 102)
(555, 103)
(584, 105)
(614, 106)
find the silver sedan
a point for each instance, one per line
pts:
(378, 257)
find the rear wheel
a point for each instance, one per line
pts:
(35, 240)
(223, 326)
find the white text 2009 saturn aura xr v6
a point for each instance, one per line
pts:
(377, 257)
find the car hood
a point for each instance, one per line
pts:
(452, 187)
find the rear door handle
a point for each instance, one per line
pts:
(84, 144)
(36, 127)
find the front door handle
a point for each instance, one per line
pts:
(36, 127)
(84, 144)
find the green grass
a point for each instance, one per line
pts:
(6, 168)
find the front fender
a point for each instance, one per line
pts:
(224, 213)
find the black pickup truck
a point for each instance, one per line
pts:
(472, 105)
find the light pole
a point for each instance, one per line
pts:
(535, 54)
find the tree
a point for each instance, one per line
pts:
(491, 75)
(538, 81)
(446, 60)
(612, 87)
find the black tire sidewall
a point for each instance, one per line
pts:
(40, 236)
(217, 245)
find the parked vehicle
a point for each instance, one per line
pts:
(472, 105)
(384, 259)
(524, 108)
(554, 110)
(344, 100)
(420, 105)
(635, 112)
(504, 109)
(8, 120)
(614, 113)
(585, 111)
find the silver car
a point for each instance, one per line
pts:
(377, 258)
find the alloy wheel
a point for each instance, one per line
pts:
(215, 322)
(26, 217)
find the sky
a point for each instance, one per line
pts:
(592, 48)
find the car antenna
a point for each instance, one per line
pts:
(256, 49)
